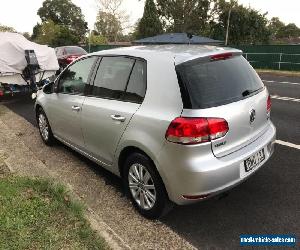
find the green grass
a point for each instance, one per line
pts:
(279, 72)
(38, 214)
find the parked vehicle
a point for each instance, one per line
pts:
(67, 54)
(178, 124)
(16, 89)
(5, 91)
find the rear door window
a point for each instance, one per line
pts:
(136, 88)
(112, 77)
(215, 83)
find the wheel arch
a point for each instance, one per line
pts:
(124, 154)
(127, 151)
(37, 107)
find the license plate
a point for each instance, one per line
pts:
(254, 160)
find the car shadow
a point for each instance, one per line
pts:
(109, 178)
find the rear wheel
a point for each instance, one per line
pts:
(145, 186)
(44, 127)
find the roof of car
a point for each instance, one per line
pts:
(177, 53)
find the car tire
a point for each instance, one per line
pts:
(148, 194)
(44, 128)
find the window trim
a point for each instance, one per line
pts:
(145, 82)
(96, 68)
(88, 80)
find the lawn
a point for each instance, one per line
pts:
(38, 214)
(279, 72)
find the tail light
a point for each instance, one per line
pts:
(269, 105)
(223, 56)
(70, 59)
(1, 93)
(185, 130)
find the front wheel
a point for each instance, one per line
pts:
(44, 128)
(145, 187)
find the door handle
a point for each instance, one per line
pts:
(76, 108)
(118, 118)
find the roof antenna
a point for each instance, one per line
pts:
(190, 36)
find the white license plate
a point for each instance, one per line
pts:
(253, 161)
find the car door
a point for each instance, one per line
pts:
(118, 91)
(64, 108)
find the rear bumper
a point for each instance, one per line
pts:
(186, 173)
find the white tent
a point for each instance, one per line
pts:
(13, 62)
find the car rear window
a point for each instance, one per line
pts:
(214, 83)
(75, 51)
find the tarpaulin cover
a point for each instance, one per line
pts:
(13, 62)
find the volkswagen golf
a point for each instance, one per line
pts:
(178, 123)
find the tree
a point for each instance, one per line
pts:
(107, 25)
(47, 33)
(55, 35)
(64, 13)
(4, 28)
(112, 20)
(275, 26)
(185, 16)
(65, 37)
(96, 39)
(35, 31)
(289, 31)
(247, 26)
(150, 24)
(279, 30)
(111, 6)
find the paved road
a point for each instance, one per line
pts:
(266, 203)
(283, 86)
(285, 114)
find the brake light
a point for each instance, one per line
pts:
(1, 93)
(223, 56)
(70, 59)
(269, 105)
(185, 130)
(218, 128)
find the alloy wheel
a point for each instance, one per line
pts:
(43, 126)
(141, 186)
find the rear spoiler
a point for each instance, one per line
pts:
(216, 56)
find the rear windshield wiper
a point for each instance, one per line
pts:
(249, 92)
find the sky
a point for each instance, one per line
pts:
(21, 14)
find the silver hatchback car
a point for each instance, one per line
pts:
(178, 124)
